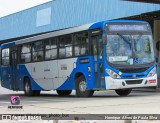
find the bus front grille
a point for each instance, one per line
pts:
(131, 82)
(133, 70)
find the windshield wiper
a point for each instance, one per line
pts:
(120, 35)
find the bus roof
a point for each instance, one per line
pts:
(102, 23)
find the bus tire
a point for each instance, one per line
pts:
(36, 92)
(28, 88)
(81, 88)
(123, 92)
(64, 92)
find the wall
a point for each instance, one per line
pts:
(59, 14)
(156, 35)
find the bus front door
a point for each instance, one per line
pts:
(97, 49)
(13, 80)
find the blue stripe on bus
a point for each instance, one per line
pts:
(69, 84)
(22, 72)
(7, 44)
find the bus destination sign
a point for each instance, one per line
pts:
(128, 27)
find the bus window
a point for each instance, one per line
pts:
(37, 50)
(50, 49)
(5, 57)
(26, 53)
(100, 47)
(81, 44)
(65, 47)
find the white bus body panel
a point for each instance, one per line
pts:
(117, 83)
(65, 68)
(51, 75)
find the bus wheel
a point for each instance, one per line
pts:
(124, 92)
(81, 88)
(36, 92)
(64, 92)
(27, 88)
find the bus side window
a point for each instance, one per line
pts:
(5, 57)
(147, 45)
(26, 53)
(51, 49)
(65, 46)
(81, 44)
(37, 50)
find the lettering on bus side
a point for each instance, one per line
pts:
(63, 67)
(84, 60)
(46, 70)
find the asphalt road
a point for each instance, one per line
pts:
(106, 102)
(103, 102)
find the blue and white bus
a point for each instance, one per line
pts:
(109, 55)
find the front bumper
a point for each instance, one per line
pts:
(130, 83)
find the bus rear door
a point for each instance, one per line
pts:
(14, 80)
(5, 69)
(8, 69)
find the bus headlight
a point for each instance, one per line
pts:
(113, 74)
(152, 72)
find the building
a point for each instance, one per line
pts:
(59, 14)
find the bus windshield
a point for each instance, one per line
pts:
(129, 49)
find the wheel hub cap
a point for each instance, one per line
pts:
(27, 87)
(82, 86)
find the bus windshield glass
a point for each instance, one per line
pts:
(129, 49)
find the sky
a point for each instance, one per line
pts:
(8, 7)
